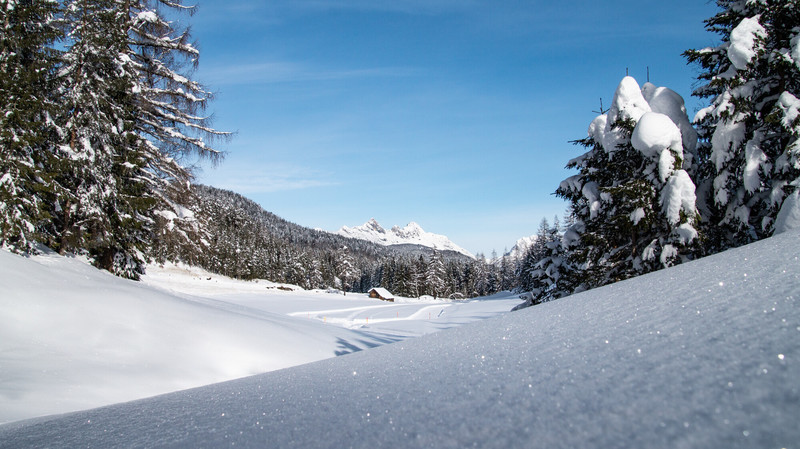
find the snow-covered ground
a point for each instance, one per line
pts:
(705, 354)
(73, 337)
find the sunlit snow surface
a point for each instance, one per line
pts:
(701, 355)
(73, 337)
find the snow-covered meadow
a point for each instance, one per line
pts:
(704, 354)
(73, 337)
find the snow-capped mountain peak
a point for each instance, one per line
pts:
(521, 247)
(373, 226)
(411, 231)
(411, 234)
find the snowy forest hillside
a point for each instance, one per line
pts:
(236, 237)
(704, 354)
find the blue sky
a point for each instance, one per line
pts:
(456, 114)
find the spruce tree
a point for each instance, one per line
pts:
(633, 200)
(130, 122)
(106, 210)
(553, 274)
(533, 254)
(169, 107)
(28, 106)
(435, 275)
(169, 103)
(345, 268)
(750, 152)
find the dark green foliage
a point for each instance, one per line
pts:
(93, 128)
(28, 136)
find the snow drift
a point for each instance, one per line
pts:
(704, 354)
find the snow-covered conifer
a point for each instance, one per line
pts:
(27, 129)
(533, 254)
(106, 208)
(633, 199)
(131, 120)
(552, 276)
(169, 102)
(750, 151)
(435, 276)
(480, 285)
(345, 268)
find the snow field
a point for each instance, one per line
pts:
(73, 337)
(704, 354)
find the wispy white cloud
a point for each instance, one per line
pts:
(266, 178)
(283, 72)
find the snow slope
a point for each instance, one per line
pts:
(705, 354)
(412, 234)
(73, 337)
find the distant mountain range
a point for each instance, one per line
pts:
(412, 234)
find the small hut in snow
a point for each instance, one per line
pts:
(381, 293)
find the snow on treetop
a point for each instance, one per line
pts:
(670, 103)
(628, 101)
(790, 106)
(597, 131)
(744, 37)
(654, 133)
(147, 16)
(663, 134)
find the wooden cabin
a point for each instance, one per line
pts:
(382, 294)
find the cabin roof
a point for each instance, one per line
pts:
(382, 292)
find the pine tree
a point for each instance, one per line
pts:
(553, 275)
(633, 199)
(130, 121)
(481, 270)
(534, 253)
(506, 272)
(169, 105)
(345, 268)
(750, 151)
(106, 211)
(315, 278)
(27, 129)
(435, 275)
(168, 100)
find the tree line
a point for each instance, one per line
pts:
(226, 233)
